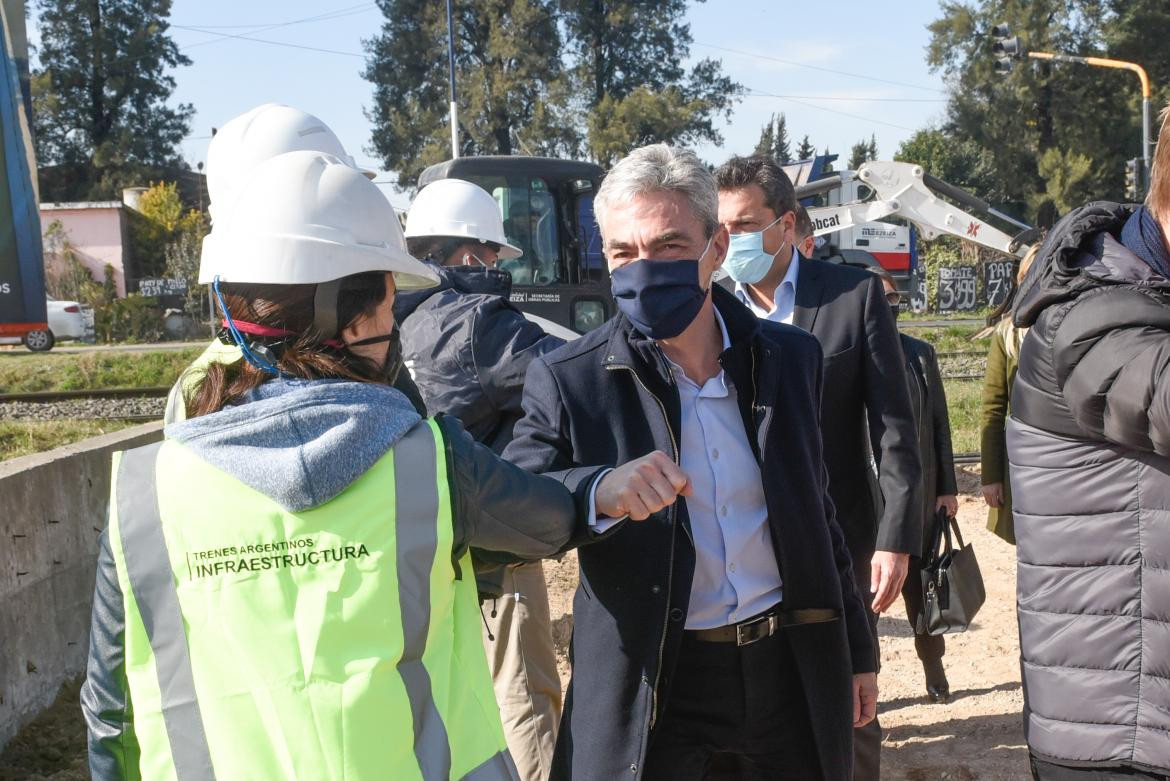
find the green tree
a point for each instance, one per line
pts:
(509, 79)
(643, 117)
(767, 142)
(861, 152)
(620, 47)
(1076, 109)
(806, 151)
(782, 150)
(960, 162)
(159, 222)
(101, 113)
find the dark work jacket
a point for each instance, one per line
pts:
(929, 401)
(1089, 451)
(468, 350)
(608, 398)
(867, 408)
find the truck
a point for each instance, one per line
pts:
(23, 307)
(562, 281)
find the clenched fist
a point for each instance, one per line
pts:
(641, 487)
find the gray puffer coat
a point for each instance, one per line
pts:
(1089, 449)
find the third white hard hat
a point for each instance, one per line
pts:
(454, 207)
(308, 218)
(266, 131)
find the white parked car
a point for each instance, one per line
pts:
(67, 320)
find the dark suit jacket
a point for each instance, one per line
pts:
(929, 400)
(609, 397)
(867, 405)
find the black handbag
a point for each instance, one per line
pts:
(952, 586)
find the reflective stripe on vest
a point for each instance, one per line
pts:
(416, 551)
(465, 723)
(148, 567)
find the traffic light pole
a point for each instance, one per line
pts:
(1102, 62)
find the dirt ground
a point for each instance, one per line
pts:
(976, 736)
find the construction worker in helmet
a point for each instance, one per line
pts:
(469, 349)
(284, 589)
(238, 147)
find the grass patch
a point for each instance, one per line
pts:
(965, 407)
(28, 373)
(24, 437)
(953, 338)
(974, 314)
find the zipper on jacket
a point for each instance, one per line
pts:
(670, 559)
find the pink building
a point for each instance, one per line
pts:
(97, 232)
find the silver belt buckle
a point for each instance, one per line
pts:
(740, 639)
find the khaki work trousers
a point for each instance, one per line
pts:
(524, 669)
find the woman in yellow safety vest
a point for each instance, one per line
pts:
(284, 589)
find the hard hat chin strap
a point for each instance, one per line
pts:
(325, 308)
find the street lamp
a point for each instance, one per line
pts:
(451, 74)
(1009, 48)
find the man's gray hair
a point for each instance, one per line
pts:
(660, 168)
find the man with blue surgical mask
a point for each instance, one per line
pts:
(763, 256)
(866, 396)
(724, 636)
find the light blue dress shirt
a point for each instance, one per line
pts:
(784, 302)
(736, 575)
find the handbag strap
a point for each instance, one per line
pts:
(954, 522)
(945, 522)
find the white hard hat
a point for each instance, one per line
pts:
(308, 218)
(253, 137)
(454, 207)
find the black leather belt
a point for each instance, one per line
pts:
(765, 625)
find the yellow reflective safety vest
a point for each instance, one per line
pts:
(185, 388)
(333, 643)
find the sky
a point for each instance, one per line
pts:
(839, 73)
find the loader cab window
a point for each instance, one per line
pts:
(529, 212)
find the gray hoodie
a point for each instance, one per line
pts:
(301, 443)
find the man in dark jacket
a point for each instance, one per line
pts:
(866, 397)
(725, 634)
(1089, 452)
(468, 350)
(928, 400)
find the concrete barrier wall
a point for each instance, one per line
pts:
(52, 509)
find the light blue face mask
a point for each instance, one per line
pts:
(746, 261)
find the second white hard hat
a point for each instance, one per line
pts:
(458, 208)
(266, 131)
(308, 218)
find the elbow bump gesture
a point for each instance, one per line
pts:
(641, 487)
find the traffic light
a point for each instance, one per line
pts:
(1133, 180)
(1006, 48)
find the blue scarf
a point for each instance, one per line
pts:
(1143, 237)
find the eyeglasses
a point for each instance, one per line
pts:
(893, 298)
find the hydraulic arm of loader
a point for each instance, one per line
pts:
(905, 190)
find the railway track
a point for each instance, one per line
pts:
(132, 405)
(46, 397)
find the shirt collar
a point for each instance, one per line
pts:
(790, 277)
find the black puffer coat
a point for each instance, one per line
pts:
(1089, 449)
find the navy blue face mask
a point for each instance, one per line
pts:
(660, 297)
